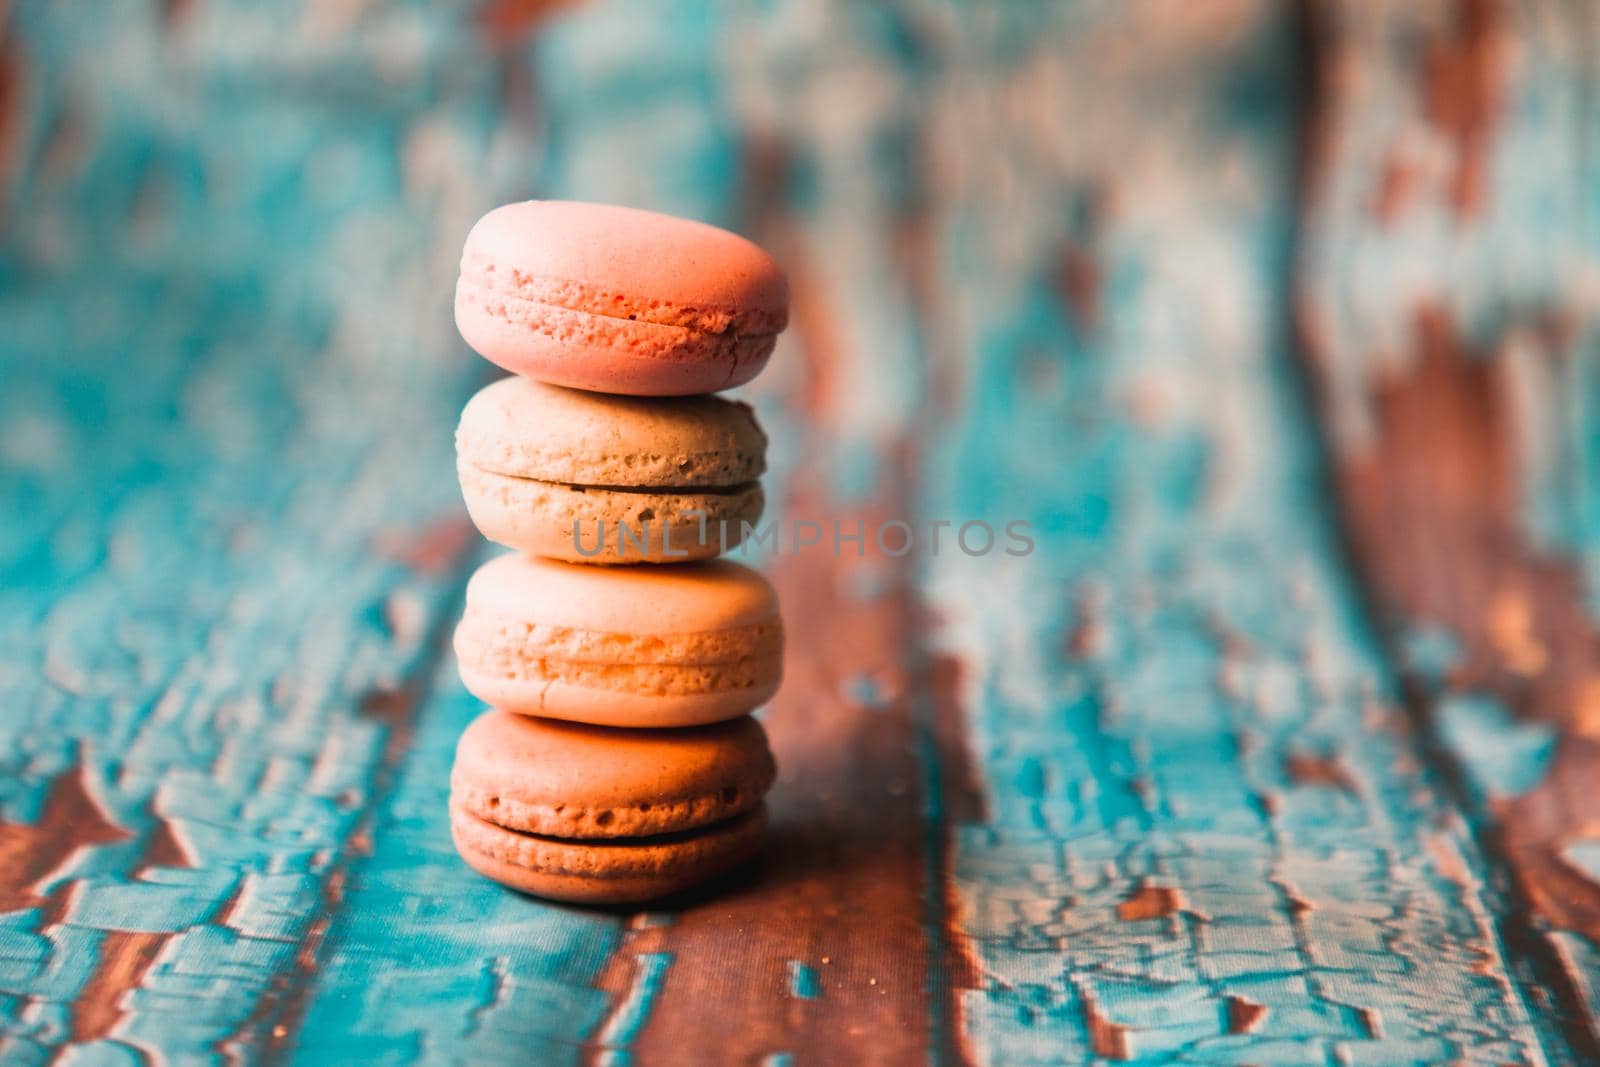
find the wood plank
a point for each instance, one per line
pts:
(1206, 832)
(231, 523)
(1452, 342)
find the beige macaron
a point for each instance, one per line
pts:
(593, 478)
(588, 813)
(620, 646)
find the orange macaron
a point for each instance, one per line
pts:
(584, 813)
(618, 300)
(640, 646)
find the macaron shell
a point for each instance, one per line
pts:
(618, 300)
(620, 646)
(690, 598)
(604, 872)
(584, 351)
(567, 780)
(539, 518)
(628, 263)
(530, 429)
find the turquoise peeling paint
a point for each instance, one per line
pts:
(1583, 856)
(223, 299)
(229, 378)
(803, 981)
(1186, 561)
(1582, 959)
(867, 692)
(1499, 271)
(633, 1010)
(429, 961)
(1503, 757)
(1430, 653)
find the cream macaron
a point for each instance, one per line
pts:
(587, 813)
(635, 646)
(618, 300)
(593, 478)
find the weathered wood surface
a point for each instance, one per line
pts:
(1158, 791)
(1449, 320)
(230, 536)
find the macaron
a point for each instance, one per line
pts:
(591, 814)
(640, 646)
(594, 478)
(618, 300)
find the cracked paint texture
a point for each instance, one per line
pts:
(230, 529)
(1447, 231)
(1155, 877)
(1146, 794)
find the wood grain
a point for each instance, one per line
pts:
(228, 383)
(1155, 791)
(1449, 343)
(1208, 834)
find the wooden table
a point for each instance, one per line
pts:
(1275, 322)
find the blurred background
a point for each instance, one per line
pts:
(1274, 319)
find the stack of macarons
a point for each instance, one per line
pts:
(620, 658)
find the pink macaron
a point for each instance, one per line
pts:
(618, 300)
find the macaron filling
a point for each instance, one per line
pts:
(639, 819)
(609, 524)
(582, 847)
(618, 869)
